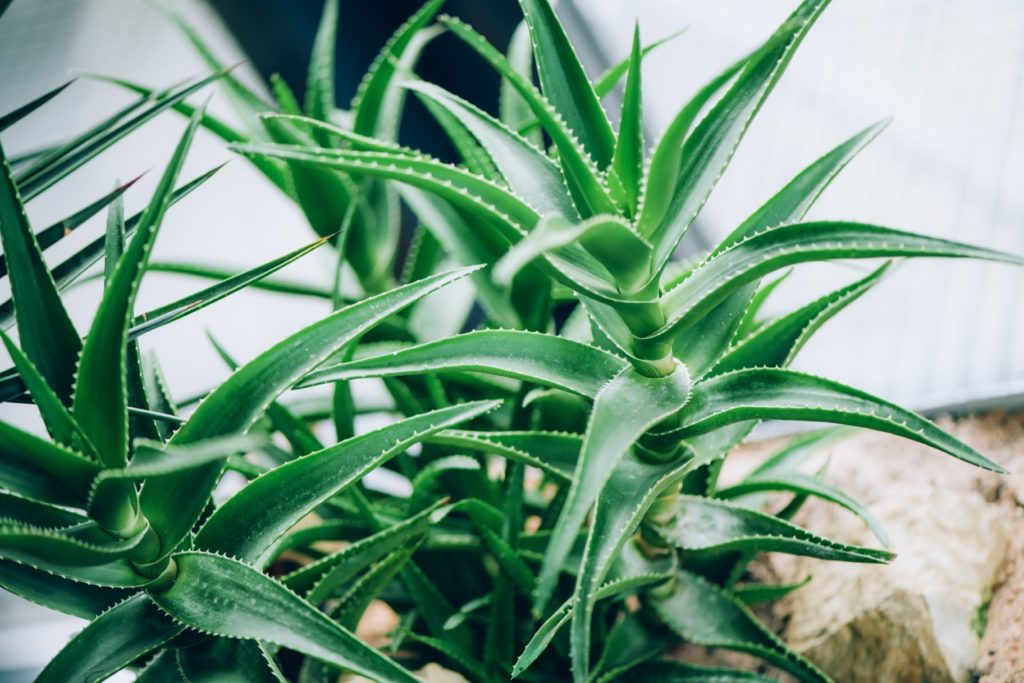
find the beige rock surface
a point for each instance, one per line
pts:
(923, 499)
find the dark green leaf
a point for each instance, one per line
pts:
(540, 358)
(111, 642)
(250, 521)
(237, 404)
(251, 605)
(10, 118)
(47, 335)
(704, 614)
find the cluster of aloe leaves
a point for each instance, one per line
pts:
(561, 392)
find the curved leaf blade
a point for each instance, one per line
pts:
(247, 525)
(539, 358)
(236, 405)
(712, 526)
(768, 393)
(254, 606)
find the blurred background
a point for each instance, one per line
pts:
(938, 336)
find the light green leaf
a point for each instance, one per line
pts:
(320, 78)
(792, 202)
(539, 358)
(707, 525)
(553, 452)
(624, 409)
(529, 173)
(704, 614)
(805, 485)
(581, 174)
(627, 163)
(565, 83)
(610, 239)
(775, 344)
(47, 334)
(707, 152)
(769, 393)
(247, 524)
(373, 113)
(761, 254)
(253, 606)
(101, 398)
(173, 504)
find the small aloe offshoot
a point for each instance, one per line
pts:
(562, 514)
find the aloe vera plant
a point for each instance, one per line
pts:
(562, 515)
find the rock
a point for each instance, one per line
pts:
(917, 618)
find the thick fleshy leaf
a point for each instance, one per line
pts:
(529, 173)
(704, 614)
(247, 524)
(10, 118)
(712, 526)
(83, 545)
(539, 358)
(513, 110)
(610, 239)
(553, 452)
(153, 460)
(632, 641)
(173, 504)
(55, 592)
(565, 83)
(581, 173)
(224, 660)
(666, 159)
(624, 409)
(631, 489)
(318, 580)
(787, 245)
(776, 344)
(547, 631)
(59, 423)
(449, 182)
(768, 393)
(805, 485)
(373, 114)
(320, 77)
(19, 510)
(47, 335)
(792, 202)
(42, 470)
(708, 150)
(466, 242)
(714, 333)
(254, 606)
(101, 392)
(627, 163)
(112, 641)
(607, 81)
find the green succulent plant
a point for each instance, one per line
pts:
(562, 510)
